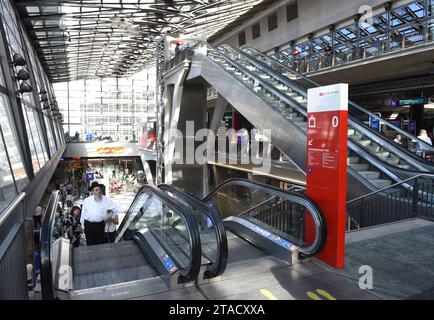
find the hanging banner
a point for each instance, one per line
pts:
(326, 179)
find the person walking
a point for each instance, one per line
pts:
(94, 214)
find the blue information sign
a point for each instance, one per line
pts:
(169, 264)
(374, 123)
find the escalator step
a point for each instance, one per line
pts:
(381, 183)
(111, 277)
(369, 174)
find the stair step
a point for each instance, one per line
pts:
(359, 166)
(373, 148)
(353, 160)
(381, 183)
(404, 166)
(357, 137)
(383, 154)
(365, 143)
(392, 160)
(369, 174)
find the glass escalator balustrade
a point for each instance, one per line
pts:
(207, 229)
(166, 224)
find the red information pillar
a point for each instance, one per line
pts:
(327, 128)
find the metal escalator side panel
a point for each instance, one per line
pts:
(47, 238)
(249, 200)
(158, 257)
(209, 222)
(263, 239)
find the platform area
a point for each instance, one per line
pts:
(401, 257)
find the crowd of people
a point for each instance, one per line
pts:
(96, 219)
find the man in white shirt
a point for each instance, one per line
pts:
(423, 135)
(95, 214)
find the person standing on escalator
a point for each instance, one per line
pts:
(110, 226)
(95, 214)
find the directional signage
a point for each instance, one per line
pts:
(90, 176)
(326, 179)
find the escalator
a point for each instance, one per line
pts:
(213, 239)
(255, 89)
(158, 250)
(400, 156)
(265, 230)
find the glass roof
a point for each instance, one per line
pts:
(116, 38)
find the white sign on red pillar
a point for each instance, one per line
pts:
(327, 127)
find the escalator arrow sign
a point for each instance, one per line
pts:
(310, 142)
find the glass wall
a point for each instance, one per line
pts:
(108, 108)
(14, 161)
(13, 171)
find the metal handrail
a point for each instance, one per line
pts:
(391, 186)
(351, 103)
(12, 206)
(315, 212)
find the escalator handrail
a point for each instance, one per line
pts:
(222, 243)
(193, 269)
(47, 281)
(290, 101)
(353, 104)
(315, 212)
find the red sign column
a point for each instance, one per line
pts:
(327, 129)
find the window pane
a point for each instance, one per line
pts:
(51, 141)
(8, 191)
(12, 143)
(272, 22)
(256, 31)
(291, 12)
(30, 135)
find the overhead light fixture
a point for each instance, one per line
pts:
(18, 60)
(25, 87)
(45, 105)
(44, 97)
(22, 75)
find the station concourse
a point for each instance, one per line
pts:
(244, 150)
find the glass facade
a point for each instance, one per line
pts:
(23, 118)
(118, 108)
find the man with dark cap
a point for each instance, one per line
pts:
(95, 214)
